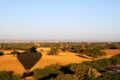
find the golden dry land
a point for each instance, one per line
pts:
(11, 63)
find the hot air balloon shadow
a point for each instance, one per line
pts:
(28, 59)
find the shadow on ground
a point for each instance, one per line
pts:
(28, 60)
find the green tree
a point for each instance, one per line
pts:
(33, 49)
(82, 70)
(98, 64)
(47, 72)
(115, 60)
(94, 52)
(53, 51)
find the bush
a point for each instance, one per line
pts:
(1, 53)
(109, 76)
(115, 60)
(94, 52)
(99, 64)
(82, 70)
(104, 62)
(53, 51)
(33, 49)
(66, 77)
(4, 75)
(47, 72)
(93, 65)
(112, 46)
(15, 52)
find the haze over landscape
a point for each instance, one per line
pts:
(62, 20)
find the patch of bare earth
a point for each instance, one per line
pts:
(10, 63)
(111, 52)
(62, 58)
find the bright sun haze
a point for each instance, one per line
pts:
(64, 20)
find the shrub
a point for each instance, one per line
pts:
(94, 52)
(77, 49)
(93, 64)
(112, 46)
(82, 70)
(47, 72)
(4, 75)
(33, 49)
(53, 51)
(115, 60)
(66, 77)
(15, 52)
(104, 62)
(99, 64)
(109, 76)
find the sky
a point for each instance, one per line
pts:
(61, 20)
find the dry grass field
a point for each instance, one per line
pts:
(111, 52)
(11, 63)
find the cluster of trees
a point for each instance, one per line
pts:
(102, 64)
(16, 46)
(94, 52)
(101, 45)
(89, 49)
(54, 50)
(68, 72)
(15, 52)
(63, 45)
(88, 70)
(80, 49)
(73, 72)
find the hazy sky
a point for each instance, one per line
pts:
(72, 20)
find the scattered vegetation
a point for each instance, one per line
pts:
(87, 70)
(15, 52)
(66, 77)
(110, 76)
(82, 70)
(4, 75)
(94, 52)
(54, 50)
(48, 72)
(115, 60)
(101, 64)
(16, 46)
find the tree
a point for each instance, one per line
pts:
(54, 51)
(82, 70)
(99, 65)
(94, 52)
(33, 49)
(115, 60)
(47, 72)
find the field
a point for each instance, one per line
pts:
(11, 63)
